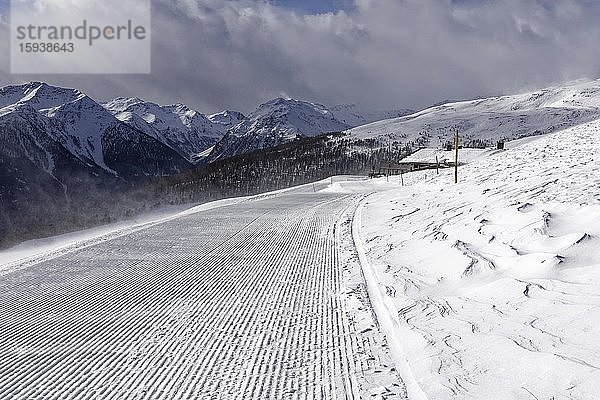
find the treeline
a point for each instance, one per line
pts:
(302, 161)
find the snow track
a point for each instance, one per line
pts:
(246, 301)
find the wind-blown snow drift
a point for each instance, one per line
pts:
(499, 275)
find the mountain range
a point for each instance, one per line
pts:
(129, 138)
(63, 134)
(178, 127)
(283, 120)
(61, 148)
(58, 144)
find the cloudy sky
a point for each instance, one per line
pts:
(217, 54)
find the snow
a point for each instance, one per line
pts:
(345, 288)
(492, 119)
(202, 155)
(177, 117)
(353, 115)
(34, 251)
(465, 155)
(283, 119)
(186, 131)
(275, 122)
(227, 118)
(289, 118)
(68, 116)
(253, 299)
(484, 289)
(498, 277)
(42, 96)
(387, 315)
(20, 256)
(137, 122)
(84, 123)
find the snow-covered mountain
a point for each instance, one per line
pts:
(67, 123)
(275, 122)
(62, 153)
(486, 121)
(186, 131)
(228, 119)
(34, 165)
(353, 115)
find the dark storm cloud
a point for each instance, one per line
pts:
(215, 54)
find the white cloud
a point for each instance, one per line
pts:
(236, 53)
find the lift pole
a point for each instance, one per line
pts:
(456, 158)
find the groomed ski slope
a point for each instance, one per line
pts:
(489, 289)
(496, 280)
(262, 299)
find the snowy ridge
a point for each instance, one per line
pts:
(184, 130)
(275, 122)
(84, 122)
(193, 135)
(352, 115)
(486, 121)
(38, 95)
(227, 118)
(81, 126)
(73, 119)
(386, 314)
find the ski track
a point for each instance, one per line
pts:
(244, 301)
